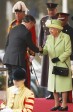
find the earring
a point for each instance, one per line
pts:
(57, 31)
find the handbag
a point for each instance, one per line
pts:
(60, 71)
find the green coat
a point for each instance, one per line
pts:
(61, 48)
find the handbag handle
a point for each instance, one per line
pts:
(66, 64)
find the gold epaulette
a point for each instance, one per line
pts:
(13, 23)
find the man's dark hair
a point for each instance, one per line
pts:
(29, 18)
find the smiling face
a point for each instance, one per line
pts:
(54, 31)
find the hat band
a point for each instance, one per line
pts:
(17, 10)
(56, 26)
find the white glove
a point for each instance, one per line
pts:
(7, 110)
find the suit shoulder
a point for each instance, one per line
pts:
(28, 91)
(10, 88)
(68, 27)
(45, 17)
(24, 29)
(65, 35)
(71, 27)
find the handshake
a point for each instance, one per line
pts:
(40, 49)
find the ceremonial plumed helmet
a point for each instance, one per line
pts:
(19, 74)
(20, 7)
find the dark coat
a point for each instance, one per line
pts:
(69, 30)
(18, 40)
(44, 31)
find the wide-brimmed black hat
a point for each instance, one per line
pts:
(19, 74)
(51, 5)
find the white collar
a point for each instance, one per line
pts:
(15, 90)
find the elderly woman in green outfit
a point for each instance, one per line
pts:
(58, 48)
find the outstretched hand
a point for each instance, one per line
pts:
(40, 49)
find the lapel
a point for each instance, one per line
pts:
(51, 43)
(59, 39)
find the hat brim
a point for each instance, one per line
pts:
(18, 78)
(17, 10)
(55, 26)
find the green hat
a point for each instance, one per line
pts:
(55, 23)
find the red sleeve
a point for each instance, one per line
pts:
(33, 32)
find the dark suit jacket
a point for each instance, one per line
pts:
(18, 40)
